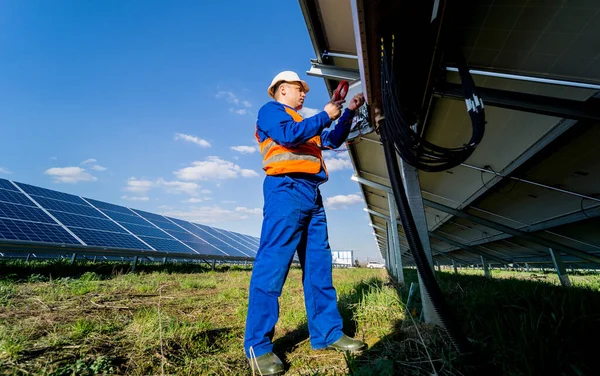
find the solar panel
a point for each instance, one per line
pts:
(15, 197)
(234, 241)
(7, 185)
(198, 244)
(126, 218)
(107, 206)
(106, 225)
(43, 192)
(51, 204)
(166, 244)
(26, 213)
(147, 230)
(82, 221)
(213, 237)
(158, 220)
(35, 232)
(108, 239)
(250, 240)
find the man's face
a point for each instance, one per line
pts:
(294, 94)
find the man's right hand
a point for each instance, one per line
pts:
(334, 109)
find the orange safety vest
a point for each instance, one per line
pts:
(306, 158)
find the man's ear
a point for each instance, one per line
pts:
(282, 89)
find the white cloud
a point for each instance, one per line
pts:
(70, 175)
(206, 191)
(179, 187)
(138, 186)
(307, 112)
(255, 211)
(95, 167)
(213, 168)
(336, 164)
(189, 138)
(245, 149)
(249, 173)
(342, 202)
(212, 214)
(239, 106)
(228, 202)
(98, 168)
(228, 96)
(4, 171)
(135, 198)
(241, 111)
(54, 158)
(193, 200)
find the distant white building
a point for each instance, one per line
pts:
(343, 259)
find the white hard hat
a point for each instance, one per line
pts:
(286, 76)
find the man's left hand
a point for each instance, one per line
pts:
(357, 101)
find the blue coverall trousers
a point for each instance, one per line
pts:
(294, 220)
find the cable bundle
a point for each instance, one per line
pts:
(414, 149)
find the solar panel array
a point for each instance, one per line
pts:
(38, 215)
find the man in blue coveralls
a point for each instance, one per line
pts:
(294, 220)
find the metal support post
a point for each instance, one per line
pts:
(134, 263)
(73, 258)
(214, 263)
(514, 232)
(28, 257)
(164, 261)
(94, 260)
(454, 266)
(559, 265)
(527, 267)
(389, 263)
(395, 241)
(486, 270)
(391, 248)
(412, 186)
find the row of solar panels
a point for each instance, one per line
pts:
(33, 214)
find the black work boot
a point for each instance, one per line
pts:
(347, 344)
(267, 364)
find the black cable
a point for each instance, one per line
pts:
(414, 149)
(432, 289)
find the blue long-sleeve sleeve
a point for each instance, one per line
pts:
(335, 136)
(274, 122)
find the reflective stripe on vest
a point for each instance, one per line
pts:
(305, 158)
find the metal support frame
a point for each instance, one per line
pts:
(412, 187)
(73, 258)
(559, 265)
(467, 248)
(393, 225)
(28, 257)
(331, 72)
(454, 267)
(514, 232)
(134, 263)
(538, 104)
(527, 267)
(486, 269)
(519, 77)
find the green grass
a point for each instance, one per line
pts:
(58, 319)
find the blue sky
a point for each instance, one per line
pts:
(152, 105)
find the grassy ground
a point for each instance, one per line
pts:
(187, 320)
